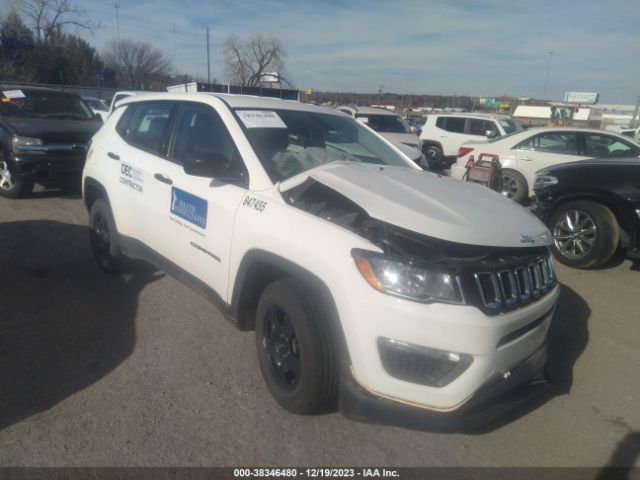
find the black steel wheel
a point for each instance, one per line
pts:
(102, 236)
(295, 348)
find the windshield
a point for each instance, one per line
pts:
(510, 126)
(384, 123)
(43, 104)
(289, 142)
(96, 104)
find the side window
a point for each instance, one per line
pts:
(480, 127)
(552, 142)
(201, 134)
(455, 124)
(597, 145)
(440, 123)
(122, 127)
(149, 127)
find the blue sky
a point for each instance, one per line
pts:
(486, 48)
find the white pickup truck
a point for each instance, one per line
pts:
(396, 294)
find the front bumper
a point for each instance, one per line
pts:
(492, 401)
(48, 167)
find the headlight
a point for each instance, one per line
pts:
(543, 181)
(18, 141)
(405, 279)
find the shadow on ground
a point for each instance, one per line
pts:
(622, 461)
(64, 324)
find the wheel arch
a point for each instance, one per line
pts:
(623, 223)
(257, 269)
(93, 190)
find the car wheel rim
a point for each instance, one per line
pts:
(509, 186)
(280, 345)
(6, 182)
(574, 234)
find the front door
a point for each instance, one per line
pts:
(196, 215)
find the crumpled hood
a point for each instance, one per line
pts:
(430, 204)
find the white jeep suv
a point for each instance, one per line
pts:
(396, 293)
(442, 134)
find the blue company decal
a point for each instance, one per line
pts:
(185, 205)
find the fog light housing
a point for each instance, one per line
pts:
(422, 365)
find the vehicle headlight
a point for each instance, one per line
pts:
(19, 141)
(543, 181)
(406, 279)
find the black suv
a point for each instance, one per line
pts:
(44, 135)
(592, 207)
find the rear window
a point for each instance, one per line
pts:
(385, 123)
(148, 128)
(510, 126)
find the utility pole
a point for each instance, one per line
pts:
(117, 7)
(546, 77)
(632, 124)
(208, 60)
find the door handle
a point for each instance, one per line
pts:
(163, 179)
(115, 156)
(528, 159)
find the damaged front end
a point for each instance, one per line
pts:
(494, 279)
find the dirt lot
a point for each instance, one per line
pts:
(139, 370)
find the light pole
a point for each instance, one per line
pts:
(546, 76)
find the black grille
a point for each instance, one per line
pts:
(500, 288)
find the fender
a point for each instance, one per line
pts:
(272, 267)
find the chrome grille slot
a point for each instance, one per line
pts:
(507, 280)
(517, 285)
(489, 289)
(524, 285)
(534, 276)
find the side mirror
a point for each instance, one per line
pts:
(215, 166)
(418, 131)
(491, 133)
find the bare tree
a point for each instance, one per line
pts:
(246, 62)
(48, 18)
(137, 64)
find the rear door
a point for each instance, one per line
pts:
(451, 134)
(145, 144)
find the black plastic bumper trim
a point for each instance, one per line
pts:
(492, 401)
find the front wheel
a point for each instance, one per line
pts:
(10, 186)
(102, 236)
(294, 347)
(585, 234)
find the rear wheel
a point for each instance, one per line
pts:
(585, 234)
(514, 185)
(10, 186)
(433, 155)
(102, 236)
(294, 348)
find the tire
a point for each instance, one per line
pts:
(433, 155)
(102, 236)
(11, 187)
(295, 349)
(514, 185)
(592, 241)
